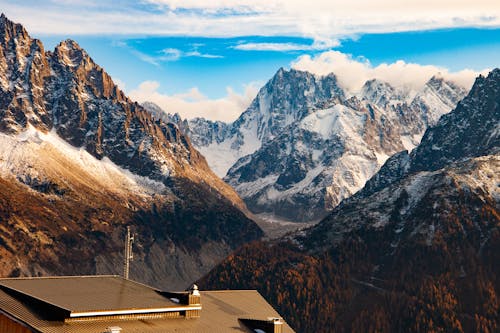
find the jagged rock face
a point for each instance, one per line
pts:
(200, 131)
(23, 73)
(471, 130)
(205, 132)
(310, 146)
(66, 91)
(285, 99)
(160, 114)
(89, 110)
(415, 251)
(437, 98)
(327, 155)
(56, 106)
(413, 208)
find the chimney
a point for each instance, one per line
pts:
(194, 298)
(277, 324)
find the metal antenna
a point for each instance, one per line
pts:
(128, 255)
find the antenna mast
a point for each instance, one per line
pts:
(128, 255)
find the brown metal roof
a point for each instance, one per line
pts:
(89, 293)
(221, 310)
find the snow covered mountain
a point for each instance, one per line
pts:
(416, 250)
(329, 154)
(471, 130)
(305, 144)
(457, 158)
(79, 160)
(285, 99)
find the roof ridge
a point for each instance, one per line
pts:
(58, 277)
(228, 290)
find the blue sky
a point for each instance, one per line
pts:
(220, 64)
(210, 59)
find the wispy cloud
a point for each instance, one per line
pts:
(170, 54)
(353, 73)
(202, 55)
(193, 103)
(166, 54)
(288, 47)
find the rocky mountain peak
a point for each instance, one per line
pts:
(10, 30)
(445, 87)
(436, 80)
(67, 91)
(71, 61)
(15, 41)
(286, 98)
(71, 141)
(489, 80)
(70, 53)
(282, 72)
(159, 114)
(470, 130)
(377, 92)
(23, 69)
(443, 94)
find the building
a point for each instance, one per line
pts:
(111, 304)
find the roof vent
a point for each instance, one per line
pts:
(269, 325)
(113, 329)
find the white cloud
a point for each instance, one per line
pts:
(325, 7)
(283, 47)
(353, 73)
(193, 103)
(270, 47)
(202, 55)
(217, 18)
(165, 55)
(170, 54)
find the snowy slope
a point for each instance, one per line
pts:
(305, 144)
(329, 154)
(285, 99)
(58, 161)
(470, 130)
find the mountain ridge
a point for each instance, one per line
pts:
(471, 135)
(418, 253)
(79, 161)
(320, 146)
